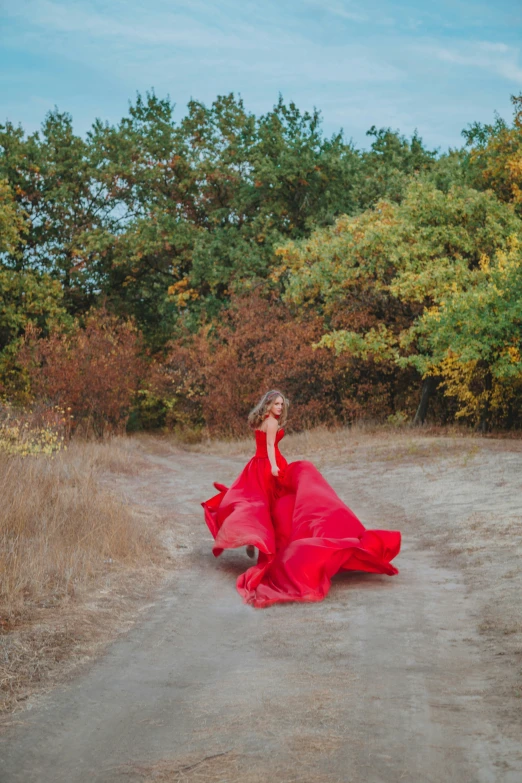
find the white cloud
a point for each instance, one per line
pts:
(340, 9)
(135, 26)
(498, 58)
(354, 12)
(146, 43)
(350, 59)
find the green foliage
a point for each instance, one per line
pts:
(26, 299)
(202, 204)
(163, 220)
(495, 156)
(27, 296)
(54, 179)
(415, 281)
(404, 260)
(481, 321)
(12, 221)
(389, 165)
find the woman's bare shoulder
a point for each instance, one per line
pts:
(268, 425)
(271, 424)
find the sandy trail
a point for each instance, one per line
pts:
(387, 681)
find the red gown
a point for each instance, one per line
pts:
(304, 533)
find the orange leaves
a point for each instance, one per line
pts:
(218, 374)
(182, 293)
(93, 372)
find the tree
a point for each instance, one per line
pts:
(26, 296)
(374, 276)
(474, 337)
(12, 220)
(54, 176)
(388, 166)
(216, 376)
(495, 156)
(210, 198)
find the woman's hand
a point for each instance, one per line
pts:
(275, 471)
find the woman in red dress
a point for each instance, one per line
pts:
(304, 533)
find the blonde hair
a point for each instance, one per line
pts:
(258, 414)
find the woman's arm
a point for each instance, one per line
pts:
(271, 432)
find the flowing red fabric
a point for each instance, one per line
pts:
(304, 533)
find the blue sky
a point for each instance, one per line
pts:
(414, 64)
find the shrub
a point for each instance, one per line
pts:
(92, 372)
(218, 375)
(38, 430)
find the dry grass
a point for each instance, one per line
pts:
(59, 528)
(65, 540)
(115, 455)
(387, 442)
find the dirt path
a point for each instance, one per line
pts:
(387, 681)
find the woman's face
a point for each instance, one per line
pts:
(277, 406)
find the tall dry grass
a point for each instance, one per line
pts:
(76, 561)
(60, 528)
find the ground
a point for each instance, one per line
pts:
(390, 680)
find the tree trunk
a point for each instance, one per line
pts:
(483, 425)
(429, 385)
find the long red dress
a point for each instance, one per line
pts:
(304, 532)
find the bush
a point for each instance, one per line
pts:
(217, 376)
(92, 372)
(38, 430)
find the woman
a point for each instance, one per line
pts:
(304, 533)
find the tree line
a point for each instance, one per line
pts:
(162, 273)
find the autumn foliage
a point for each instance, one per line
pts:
(219, 374)
(91, 373)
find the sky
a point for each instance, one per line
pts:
(430, 66)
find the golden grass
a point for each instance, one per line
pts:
(119, 454)
(59, 528)
(65, 540)
(389, 441)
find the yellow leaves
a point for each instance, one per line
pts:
(457, 378)
(499, 161)
(24, 439)
(466, 383)
(517, 194)
(514, 166)
(292, 258)
(433, 312)
(485, 264)
(182, 293)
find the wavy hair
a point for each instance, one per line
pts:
(258, 414)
